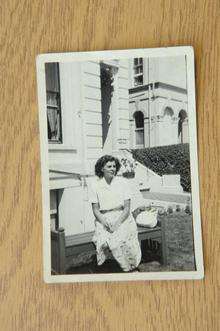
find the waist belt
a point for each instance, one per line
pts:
(114, 209)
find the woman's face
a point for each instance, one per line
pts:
(109, 170)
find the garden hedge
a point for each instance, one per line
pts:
(166, 160)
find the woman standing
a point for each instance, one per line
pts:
(115, 229)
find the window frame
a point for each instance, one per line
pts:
(56, 106)
(139, 128)
(140, 75)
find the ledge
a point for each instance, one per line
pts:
(156, 86)
(61, 147)
(68, 168)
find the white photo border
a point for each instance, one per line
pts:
(115, 54)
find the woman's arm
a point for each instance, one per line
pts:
(124, 215)
(99, 216)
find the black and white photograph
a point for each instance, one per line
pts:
(119, 167)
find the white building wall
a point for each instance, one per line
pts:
(123, 104)
(130, 73)
(118, 136)
(69, 151)
(169, 70)
(81, 129)
(71, 210)
(91, 112)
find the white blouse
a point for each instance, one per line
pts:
(109, 196)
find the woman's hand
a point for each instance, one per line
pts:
(123, 216)
(106, 225)
(109, 226)
(114, 226)
(100, 217)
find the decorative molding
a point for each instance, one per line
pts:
(156, 86)
(171, 87)
(139, 88)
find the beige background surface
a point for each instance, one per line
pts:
(32, 27)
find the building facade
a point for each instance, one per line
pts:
(87, 116)
(104, 107)
(158, 109)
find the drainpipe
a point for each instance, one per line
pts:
(152, 95)
(149, 111)
(114, 110)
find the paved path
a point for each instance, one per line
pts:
(178, 198)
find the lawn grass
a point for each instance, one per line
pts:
(179, 242)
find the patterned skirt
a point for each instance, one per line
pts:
(122, 245)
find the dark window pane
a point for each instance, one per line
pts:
(139, 120)
(53, 118)
(52, 77)
(53, 200)
(52, 99)
(54, 209)
(138, 80)
(139, 137)
(138, 61)
(138, 70)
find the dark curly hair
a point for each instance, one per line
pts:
(102, 162)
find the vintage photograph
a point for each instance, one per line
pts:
(119, 165)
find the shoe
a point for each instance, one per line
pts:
(134, 270)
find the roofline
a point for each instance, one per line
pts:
(157, 85)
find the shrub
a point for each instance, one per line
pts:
(188, 210)
(127, 168)
(169, 210)
(167, 160)
(178, 208)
